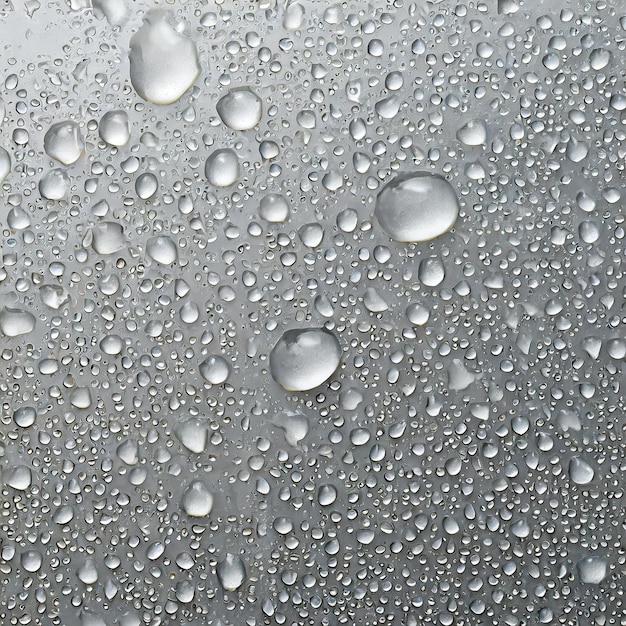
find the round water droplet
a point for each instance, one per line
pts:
(418, 314)
(222, 168)
(111, 344)
(81, 398)
(163, 62)
(592, 570)
(215, 370)
(25, 416)
(64, 142)
(114, 128)
(274, 208)
(311, 235)
(240, 109)
(197, 500)
(162, 250)
(54, 185)
(417, 207)
(303, 359)
(31, 561)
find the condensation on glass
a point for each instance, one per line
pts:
(312, 313)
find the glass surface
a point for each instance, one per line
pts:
(312, 313)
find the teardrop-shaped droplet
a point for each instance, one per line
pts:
(197, 500)
(64, 142)
(231, 572)
(162, 249)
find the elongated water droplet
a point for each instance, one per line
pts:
(231, 572)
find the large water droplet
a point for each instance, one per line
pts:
(197, 500)
(222, 168)
(231, 572)
(592, 570)
(54, 185)
(240, 109)
(580, 471)
(163, 62)
(162, 249)
(215, 370)
(303, 359)
(274, 208)
(108, 238)
(64, 142)
(5, 164)
(15, 322)
(417, 207)
(114, 128)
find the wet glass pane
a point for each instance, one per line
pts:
(312, 313)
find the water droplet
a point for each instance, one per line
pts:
(215, 370)
(162, 249)
(473, 133)
(274, 208)
(163, 62)
(592, 570)
(20, 477)
(580, 471)
(88, 572)
(417, 207)
(64, 142)
(55, 185)
(197, 500)
(240, 109)
(114, 128)
(108, 238)
(222, 168)
(146, 185)
(15, 322)
(5, 164)
(25, 416)
(231, 572)
(303, 359)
